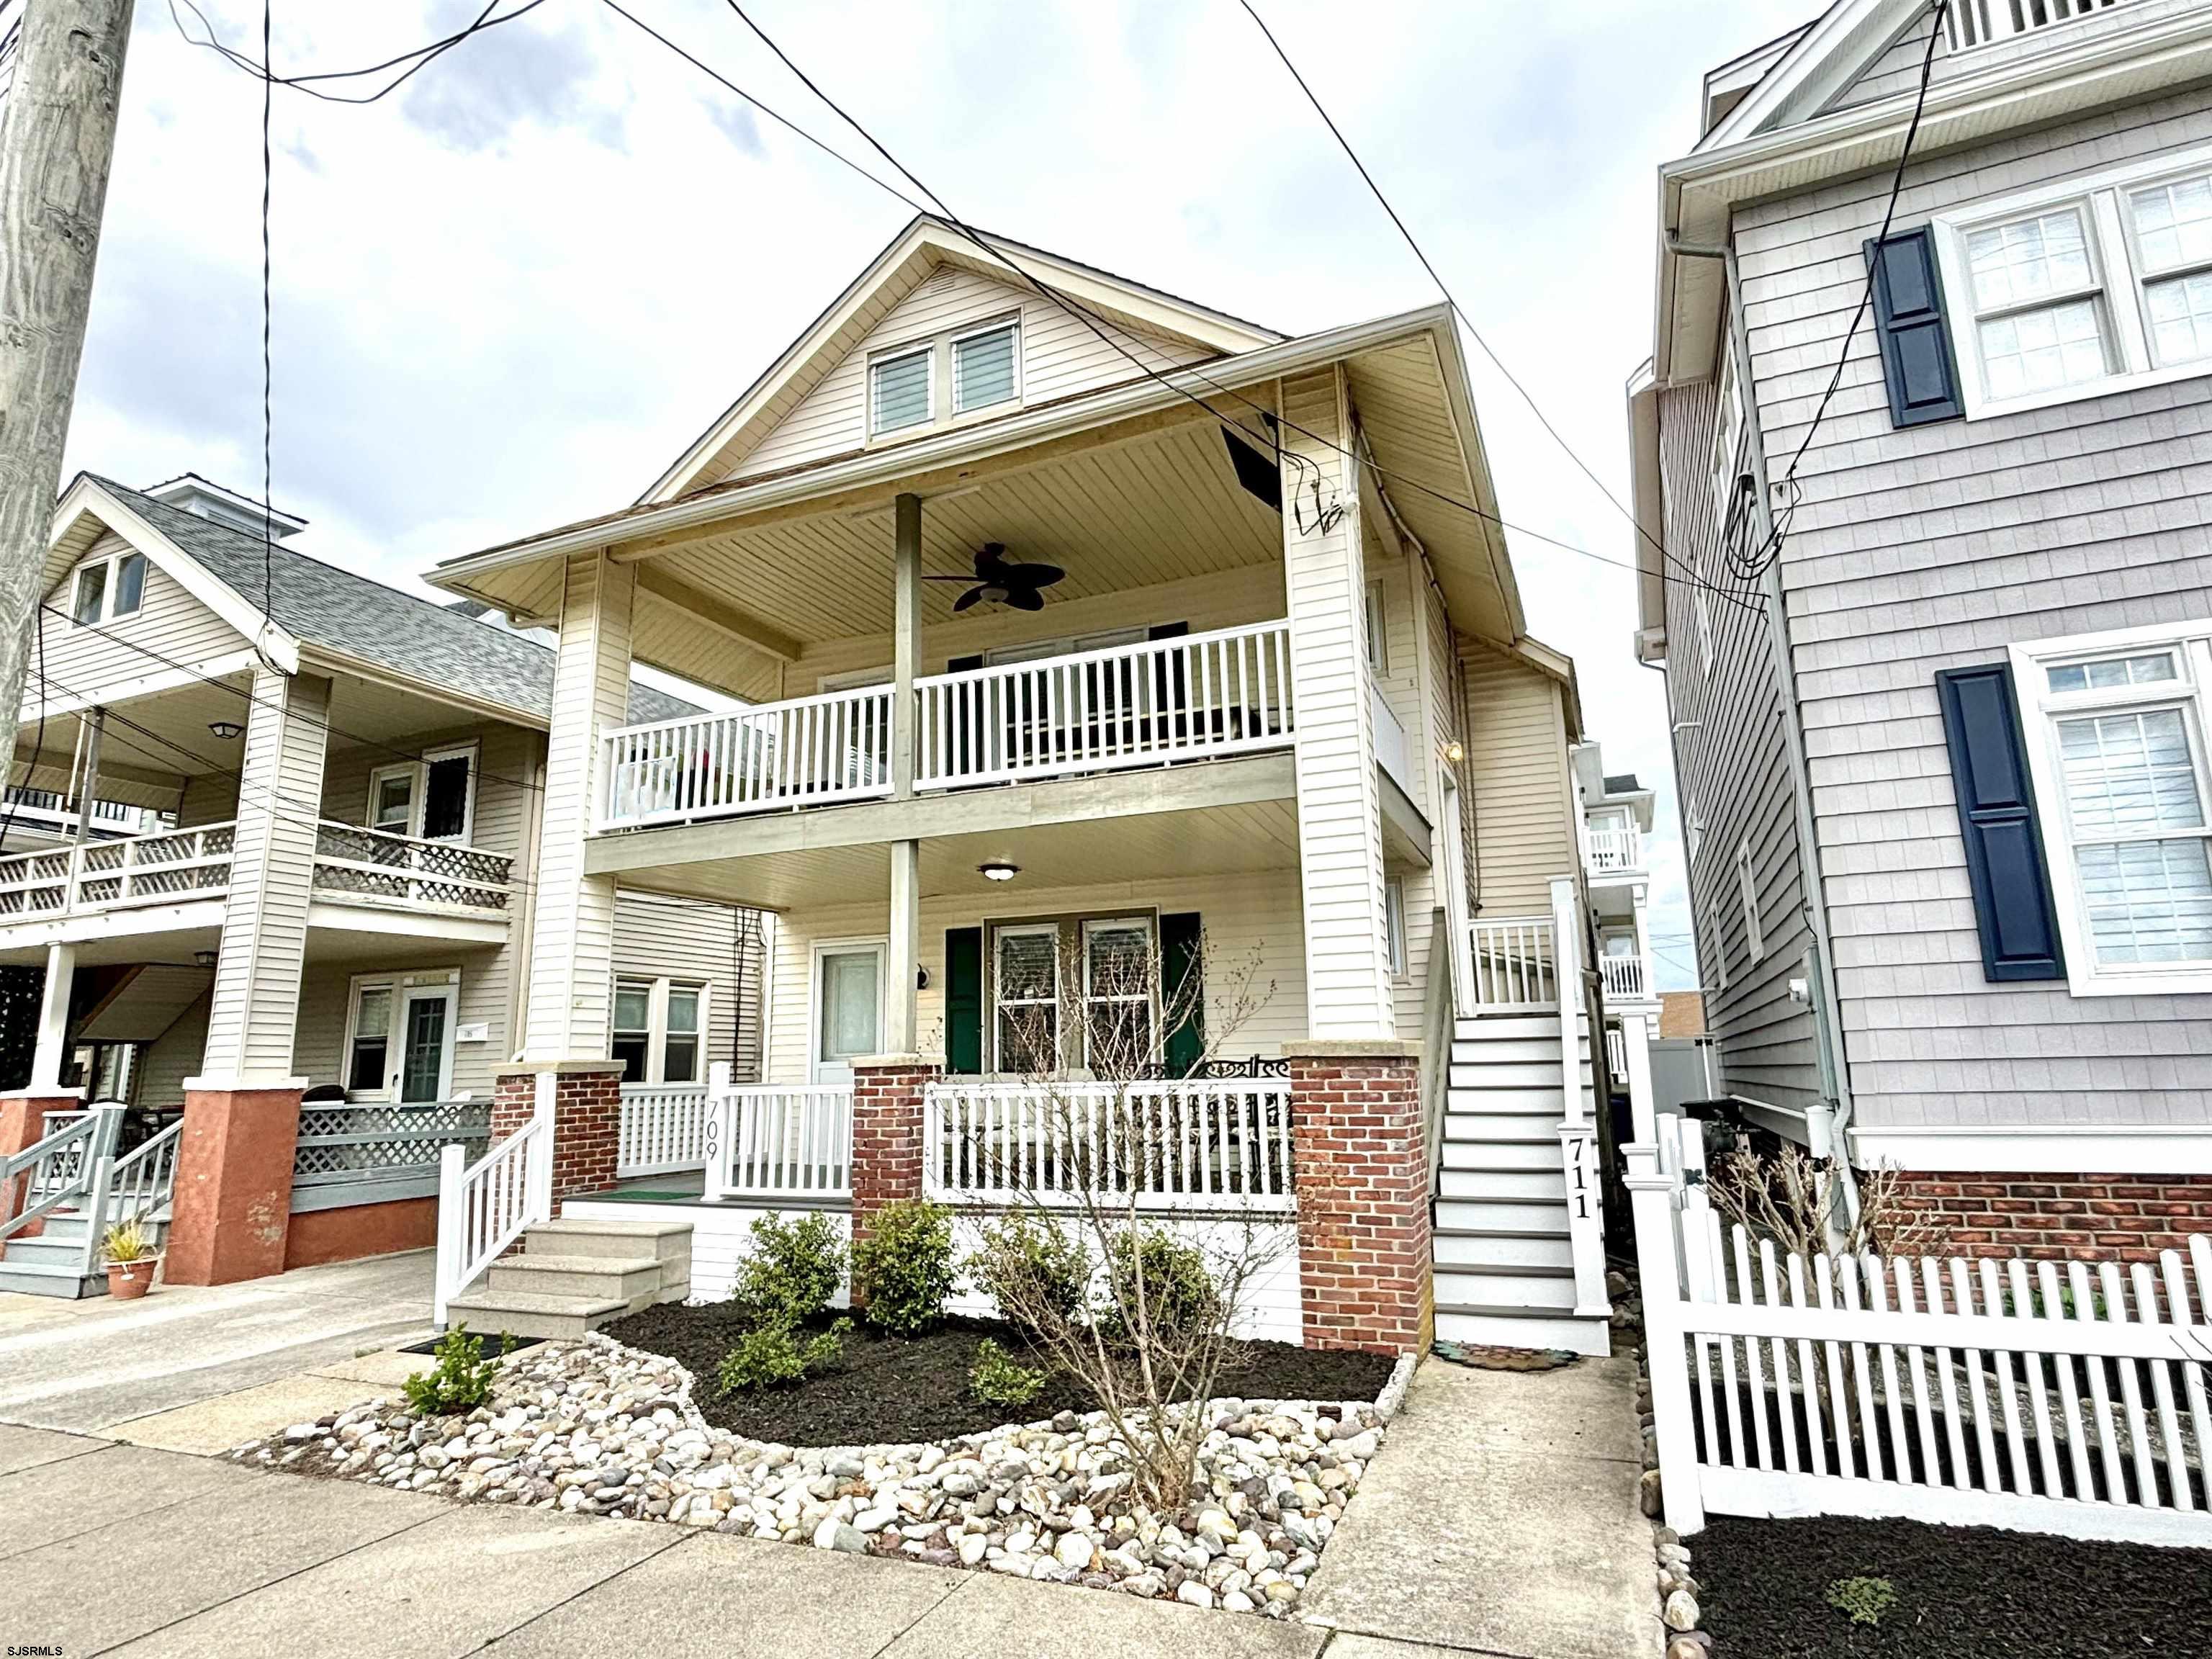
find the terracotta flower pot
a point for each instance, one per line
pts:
(128, 1280)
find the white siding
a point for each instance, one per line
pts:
(1516, 772)
(169, 623)
(659, 937)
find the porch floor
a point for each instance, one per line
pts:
(689, 1186)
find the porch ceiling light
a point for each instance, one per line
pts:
(226, 730)
(998, 870)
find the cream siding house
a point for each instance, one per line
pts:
(1276, 656)
(1942, 756)
(326, 893)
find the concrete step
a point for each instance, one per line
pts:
(1507, 1328)
(1511, 1186)
(489, 1313)
(1541, 1152)
(635, 1282)
(1526, 1289)
(45, 1249)
(666, 1241)
(1461, 1247)
(46, 1278)
(1503, 1218)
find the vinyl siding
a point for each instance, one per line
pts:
(1516, 771)
(660, 937)
(1936, 548)
(1897, 70)
(171, 1058)
(169, 623)
(1060, 356)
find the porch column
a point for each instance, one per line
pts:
(233, 1195)
(1348, 993)
(50, 1051)
(903, 962)
(1361, 1160)
(568, 1013)
(887, 1140)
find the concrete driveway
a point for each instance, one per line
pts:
(96, 1364)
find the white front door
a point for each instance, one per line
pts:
(425, 1068)
(848, 1008)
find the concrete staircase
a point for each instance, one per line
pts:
(572, 1276)
(52, 1263)
(1503, 1266)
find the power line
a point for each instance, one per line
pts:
(1076, 309)
(417, 59)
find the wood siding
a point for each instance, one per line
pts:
(1936, 548)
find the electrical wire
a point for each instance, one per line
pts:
(268, 372)
(418, 58)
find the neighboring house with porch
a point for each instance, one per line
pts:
(1616, 839)
(1079, 627)
(306, 873)
(1937, 657)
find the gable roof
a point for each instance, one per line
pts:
(329, 611)
(925, 246)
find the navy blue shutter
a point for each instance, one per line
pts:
(1917, 358)
(1996, 815)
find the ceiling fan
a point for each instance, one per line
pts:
(998, 582)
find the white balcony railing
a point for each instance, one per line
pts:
(1191, 698)
(1392, 752)
(1626, 978)
(110, 875)
(772, 1142)
(1223, 692)
(1612, 851)
(1980, 23)
(353, 863)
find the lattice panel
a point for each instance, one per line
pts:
(349, 1139)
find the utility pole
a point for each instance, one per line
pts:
(56, 143)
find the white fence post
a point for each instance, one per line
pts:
(1636, 1053)
(540, 1171)
(1577, 1134)
(451, 1161)
(1651, 1194)
(717, 1131)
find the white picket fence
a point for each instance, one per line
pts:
(663, 1130)
(2059, 1397)
(1215, 1144)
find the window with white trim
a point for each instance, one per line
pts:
(2082, 288)
(2116, 748)
(986, 367)
(108, 590)
(1119, 982)
(400, 1033)
(945, 378)
(1394, 926)
(659, 1030)
(900, 391)
(1378, 628)
(433, 799)
(1025, 996)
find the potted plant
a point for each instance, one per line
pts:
(128, 1247)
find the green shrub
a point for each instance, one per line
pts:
(791, 1271)
(772, 1356)
(997, 1379)
(1030, 1268)
(1862, 1600)
(461, 1380)
(903, 1268)
(1180, 1299)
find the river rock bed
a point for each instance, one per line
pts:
(594, 1428)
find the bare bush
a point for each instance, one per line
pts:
(1792, 1197)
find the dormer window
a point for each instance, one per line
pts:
(983, 367)
(899, 391)
(109, 590)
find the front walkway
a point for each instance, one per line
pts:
(117, 1367)
(1500, 1519)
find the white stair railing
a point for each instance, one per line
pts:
(54, 1171)
(484, 1206)
(1514, 963)
(1578, 1136)
(769, 1142)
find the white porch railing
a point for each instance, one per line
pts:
(1222, 693)
(663, 1129)
(484, 1206)
(1190, 1145)
(1979, 22)
(108, 875)
(1515, 965)
(1392, 752)
(1616, 1056)
(353, 862)
(2068, 1398)
(1612, 851)
(806, 752)
(144, 1180)
(1626, 978)
(767, 1141)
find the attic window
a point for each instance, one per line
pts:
(109, 590)
(899, 391)
(983, 367)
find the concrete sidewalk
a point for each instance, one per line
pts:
(1501, 1518)
(96, 1364)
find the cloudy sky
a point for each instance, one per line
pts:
(507, 295)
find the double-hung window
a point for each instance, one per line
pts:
(433, 797)
(2117, 751)
(1119, 979)
(1025, 991)
(2083, 287)
(659, 1026)
(633, 1029)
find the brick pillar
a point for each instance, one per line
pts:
(23, 1126)
(233, 1199)
(1362, 1166)
(887, 1131)
(587, 1121)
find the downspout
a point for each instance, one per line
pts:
(1827, 1136)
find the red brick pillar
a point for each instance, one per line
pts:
(887, 1091)
(1362, 1190)
(234, 1201)
(23, 1126)
(587, 1119)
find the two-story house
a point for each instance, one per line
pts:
(1925, 556)
(1615, 816)
(1080, 624)
(305, 878)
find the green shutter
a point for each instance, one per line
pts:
(963, 1001)
(1180, 959)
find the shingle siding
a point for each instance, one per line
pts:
(1937, 547)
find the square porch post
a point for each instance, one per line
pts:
(903, 961)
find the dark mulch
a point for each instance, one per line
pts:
(1960, 1591)
(894, 1390)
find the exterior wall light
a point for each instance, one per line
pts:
(205, 959)
(998, 870)
(225, 729)
(1454, 751)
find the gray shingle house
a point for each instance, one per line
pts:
(1925, 557)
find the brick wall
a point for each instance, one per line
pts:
(587, 1125)
(1363, 1202)
(2129, 1216)
(886, 1136)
